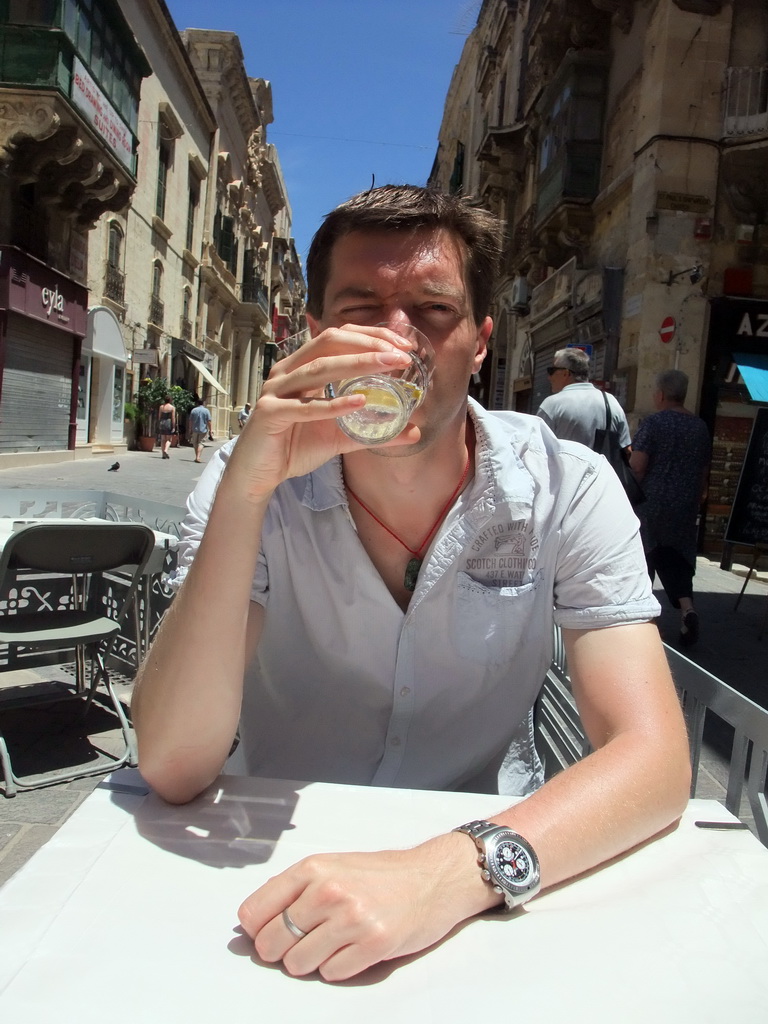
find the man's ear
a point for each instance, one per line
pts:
(483, 334)
(314, 326)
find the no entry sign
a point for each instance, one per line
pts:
(667, 329)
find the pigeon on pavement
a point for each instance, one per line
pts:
(114, 467)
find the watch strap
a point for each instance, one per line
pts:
(476, 829)
(479, 830)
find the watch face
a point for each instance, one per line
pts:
(512, 864)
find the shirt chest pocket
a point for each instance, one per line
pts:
(493, 622)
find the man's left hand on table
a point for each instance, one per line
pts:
(358, 909)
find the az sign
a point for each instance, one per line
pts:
(754, 326)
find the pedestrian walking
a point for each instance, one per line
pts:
(167, 424)
(576, 408)
(670, 457)
(200, 427)
(242, 416)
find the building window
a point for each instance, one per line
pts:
(31, 12)
(224, 240)
(163, 168)
(114, 283)
(194, 199)
(457, 175)
(570, 151)
(156, 308)
(115, 245)
(186, 320)
(157, 280)
(502, 99)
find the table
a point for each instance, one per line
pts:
(129, 914)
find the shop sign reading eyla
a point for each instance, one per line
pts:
(37, 291)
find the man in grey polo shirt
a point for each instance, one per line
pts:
(384, 615)
(576, 408)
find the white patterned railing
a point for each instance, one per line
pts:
(746, 101)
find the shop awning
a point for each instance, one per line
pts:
(754, 372)
(206, 374)
(104, 337)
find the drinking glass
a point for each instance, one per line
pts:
(391, 398)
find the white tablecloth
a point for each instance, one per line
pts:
(129, 915)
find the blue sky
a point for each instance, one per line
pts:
(358, 87)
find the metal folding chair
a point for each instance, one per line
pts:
(87, 622)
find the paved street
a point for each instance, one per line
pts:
(141, 474)
(733, 643)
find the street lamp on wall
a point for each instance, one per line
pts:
(695, 274)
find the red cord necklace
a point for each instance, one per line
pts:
(414, 565)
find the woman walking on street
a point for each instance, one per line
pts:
(167, 425)
(670, 457)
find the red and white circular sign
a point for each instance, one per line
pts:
(667, 329)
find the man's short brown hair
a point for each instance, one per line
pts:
(411, 208)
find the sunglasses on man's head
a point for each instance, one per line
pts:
(554, 369)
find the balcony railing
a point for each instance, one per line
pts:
(254, 291)
(573, 174)
(522, 235)
(185, 329)
(746, 101)
(114, 284)
(156, 311)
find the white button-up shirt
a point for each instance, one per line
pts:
(346, 687)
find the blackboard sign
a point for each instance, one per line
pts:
(748, 523)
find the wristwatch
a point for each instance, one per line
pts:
(507, 861)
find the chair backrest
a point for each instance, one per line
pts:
(561, 741)
(78, 547)
(81, 549)
(748, 767)
(558, 733)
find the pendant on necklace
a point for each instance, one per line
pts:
(412, 574)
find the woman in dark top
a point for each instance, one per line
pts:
(167, 424)
(670, 457)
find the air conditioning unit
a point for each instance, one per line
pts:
(520, 295)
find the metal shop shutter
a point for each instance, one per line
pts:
(37, 387)
(541, 388)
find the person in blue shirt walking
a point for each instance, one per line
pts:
(200, 427)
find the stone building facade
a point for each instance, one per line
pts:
(145, 229)
(247, 226)
(144, 259)
(70, 80)
(623, 144)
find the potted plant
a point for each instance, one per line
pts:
(183, 401)
(152, 391)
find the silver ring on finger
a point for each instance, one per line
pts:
(292, 927)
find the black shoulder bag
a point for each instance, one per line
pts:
(607, 443)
